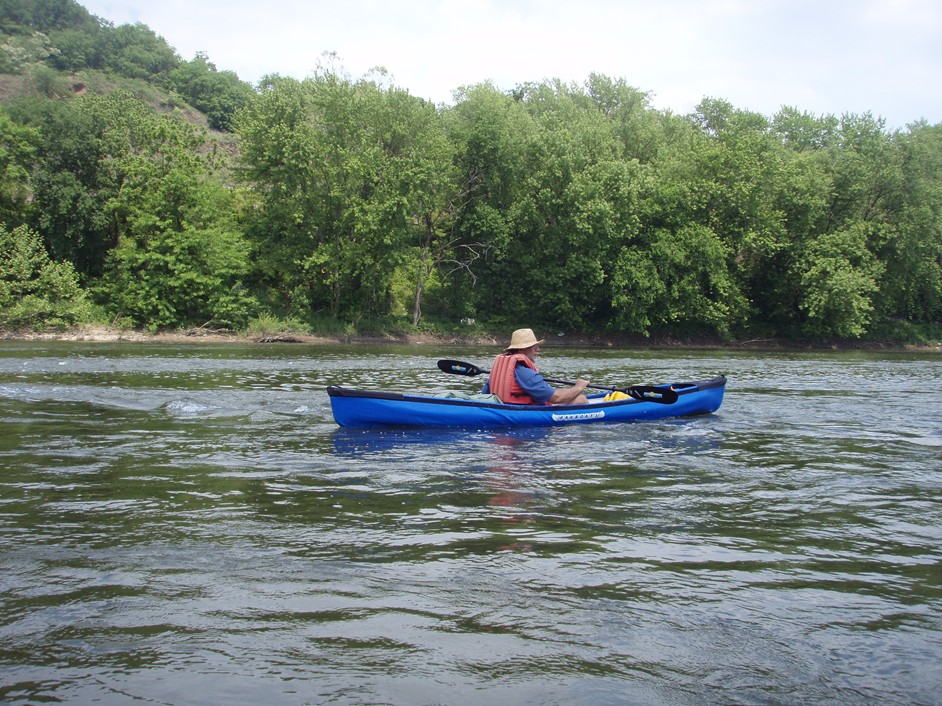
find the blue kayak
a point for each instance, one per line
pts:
(369, 408)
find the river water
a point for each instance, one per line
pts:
(185, 524)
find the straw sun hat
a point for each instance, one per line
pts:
(523, 338)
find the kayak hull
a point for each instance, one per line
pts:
(370, 408)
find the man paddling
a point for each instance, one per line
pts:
(515, 379)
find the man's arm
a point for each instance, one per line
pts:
(568, 395)
(542, 392)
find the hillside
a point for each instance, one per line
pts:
(55, 47)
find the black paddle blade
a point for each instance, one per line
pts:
(661, 395)
(458, 367)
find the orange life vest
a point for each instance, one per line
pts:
(504, 384)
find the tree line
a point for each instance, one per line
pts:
(346, 201)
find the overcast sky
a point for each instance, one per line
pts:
(819, 56)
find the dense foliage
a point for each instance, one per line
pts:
(564, 207)
(35, 291)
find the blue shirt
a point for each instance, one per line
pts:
(531, 382)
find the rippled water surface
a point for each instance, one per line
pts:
(185, 524)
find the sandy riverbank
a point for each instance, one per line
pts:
(106, 334)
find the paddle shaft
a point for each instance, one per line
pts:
(639, 392)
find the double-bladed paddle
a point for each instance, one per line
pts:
(645, 393)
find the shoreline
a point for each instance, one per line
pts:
(104, 334)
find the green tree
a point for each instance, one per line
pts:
(912, 251)
(34, 290)
(643, 132)
(218, 94)
(865, 164)
(424, 157)
(840, 269)
(278, 162)
(27, 16)
(489, 131)
(839, 277)
(180, 255)
(136, 51)
(78, 49)
(804, 132)
(738, 176)
(578, 197)
(679, 281)
(71, 185)
(17, 155)
(182, 259)
(338, 164)
(526, 158)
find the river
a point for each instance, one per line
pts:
(186, 524)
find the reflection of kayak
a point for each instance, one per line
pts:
(369, 408)
(357, 441)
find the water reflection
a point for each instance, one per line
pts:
(498, 468)
(349, 441)
(516, 489)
